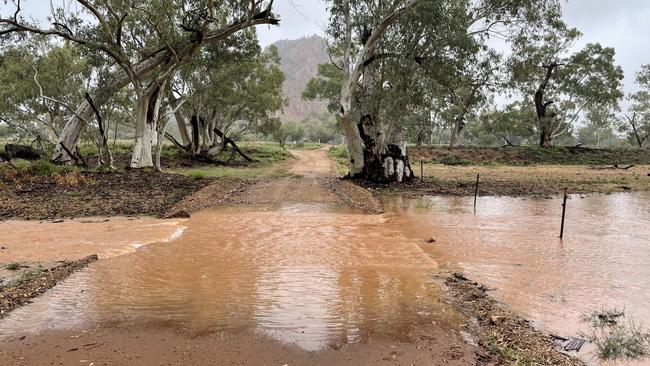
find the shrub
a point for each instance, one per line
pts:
(454, 160)
(616, 339)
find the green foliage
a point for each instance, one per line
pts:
(637, 123)
(61, 72)
(196, 174)
(616, 339)
(322, 128)
(326, 85)
(493, 126)
(587, 81)
(339, 152)
(237, 86)
(288, 131)
(13, 266)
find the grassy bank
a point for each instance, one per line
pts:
(531, 180)
(266, 156)
(517, 171)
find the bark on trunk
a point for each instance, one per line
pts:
(76, 124)
(541, 107)
(370, 158)
(144, 135)
(545, 139)
(119, 79)
(455, 132)
(146, 131)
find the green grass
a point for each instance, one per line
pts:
(265, 154)
(306, 146)
(340, 155)
(616, 339)
(13, 266)
(497, 344)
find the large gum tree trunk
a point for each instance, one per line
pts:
(541, 107)
(455, 132)
(370, 156)
(383, 161)
(146, 132)
(545, 138)
(84, 112)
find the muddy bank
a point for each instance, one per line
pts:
(157, 346)
(354, 195)
(35, 282)
(82, 194)
(504, 336)
(219, 191)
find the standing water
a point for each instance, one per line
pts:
(512, 245)
(297, 266)
(309, 274)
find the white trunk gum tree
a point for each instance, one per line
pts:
(109, 42)
(371, 155)
(146, 126)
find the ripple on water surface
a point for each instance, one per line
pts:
(512, 245)
(308, 274)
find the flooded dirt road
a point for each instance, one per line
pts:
(293, 276)
(512, 245)
(289, 273)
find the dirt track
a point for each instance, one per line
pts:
(130, 343)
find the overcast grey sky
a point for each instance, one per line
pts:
(622, 24)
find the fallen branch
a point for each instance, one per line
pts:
(229, 141)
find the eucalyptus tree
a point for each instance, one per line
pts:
(392, 55)
(509, 125)
(41, 81)
(228, 90)
(146, 40)
(637, 121)
(564, 86)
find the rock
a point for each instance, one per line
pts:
(430, 240)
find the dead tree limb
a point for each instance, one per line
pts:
(233, 145)
(104, 135)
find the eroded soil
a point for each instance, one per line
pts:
(85, 194)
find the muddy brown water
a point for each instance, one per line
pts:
(316, 274)
(310, 274)
(512, 245)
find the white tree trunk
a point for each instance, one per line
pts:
(144, 135)
(116, 81)
(353, 72)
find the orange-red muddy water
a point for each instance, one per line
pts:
(316, 274)
(307, 274)
(512, 245)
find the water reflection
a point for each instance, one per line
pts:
(313, 275)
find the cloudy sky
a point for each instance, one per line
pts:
(622, 24)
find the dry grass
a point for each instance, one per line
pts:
(542, 179)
